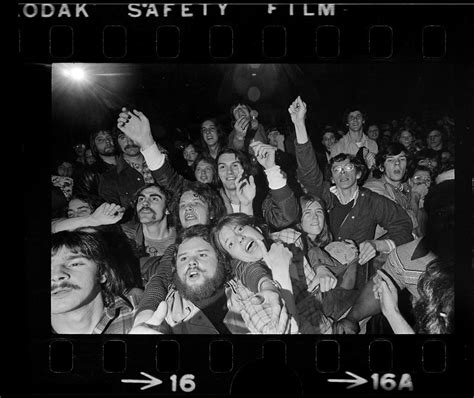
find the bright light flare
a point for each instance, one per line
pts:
(75, 73)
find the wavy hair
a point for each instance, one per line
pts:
(434, 311)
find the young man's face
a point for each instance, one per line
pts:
(190, 154)
(204, 172)
(198, 272)
(406, 138)
(421, 177)
(434, 139)
(395, 167)
(241, 242)
(209, 132)
(328, 140)
(74, 281)
(193, 210)
(373, 132)
(355, 120)
(104, 143)
(229, 167)
(128, 146)
(151, 205)
(241, 111)
(78, 208)
(344, 174)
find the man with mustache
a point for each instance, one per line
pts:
(90, 292)
(131, 173)
(388, 180)
(151, 230)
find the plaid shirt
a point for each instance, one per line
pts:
(185, 318)
(118, 318)
(308, 297)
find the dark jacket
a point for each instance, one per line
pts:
(119, 184)
(369, 209)
(87, 181)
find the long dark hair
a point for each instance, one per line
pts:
(434, 311)
(325, 237)
(221, 135)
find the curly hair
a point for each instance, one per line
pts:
(214, 202)
(118, 278)
(434, 311)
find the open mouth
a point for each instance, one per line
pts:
(194, 274)
(250, 246)
(190, 216)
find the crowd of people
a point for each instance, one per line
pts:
(256, 230)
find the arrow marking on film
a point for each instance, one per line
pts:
(152, 381)
(356, 381)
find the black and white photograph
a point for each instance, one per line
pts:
(252, 198)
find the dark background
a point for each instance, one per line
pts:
(177, 97)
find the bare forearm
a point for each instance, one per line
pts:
(398, 323)
(301, 133)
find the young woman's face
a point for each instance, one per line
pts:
(204, 172)
(241, 242)
(78, 208)
(312, 220)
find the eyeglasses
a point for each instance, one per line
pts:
(421, 180)
(338, 169)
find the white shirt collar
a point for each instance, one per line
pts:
(336, 191)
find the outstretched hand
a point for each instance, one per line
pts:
(136, 126)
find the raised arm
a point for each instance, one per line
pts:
(137, 127)
(280, 207)
(309, 173)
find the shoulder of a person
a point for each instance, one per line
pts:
(134, 295)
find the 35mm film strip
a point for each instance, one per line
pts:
(335, 39)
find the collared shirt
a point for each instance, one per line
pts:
(118, 317)
(336, 191)
(347, 145)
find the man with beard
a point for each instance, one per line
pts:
(204, 300)
(151, 231)
(355, 139)
(103, 148)
(387, 180)
(91, 293)
(131, 173)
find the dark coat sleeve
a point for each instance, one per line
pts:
(280, 208)
(309, 172)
